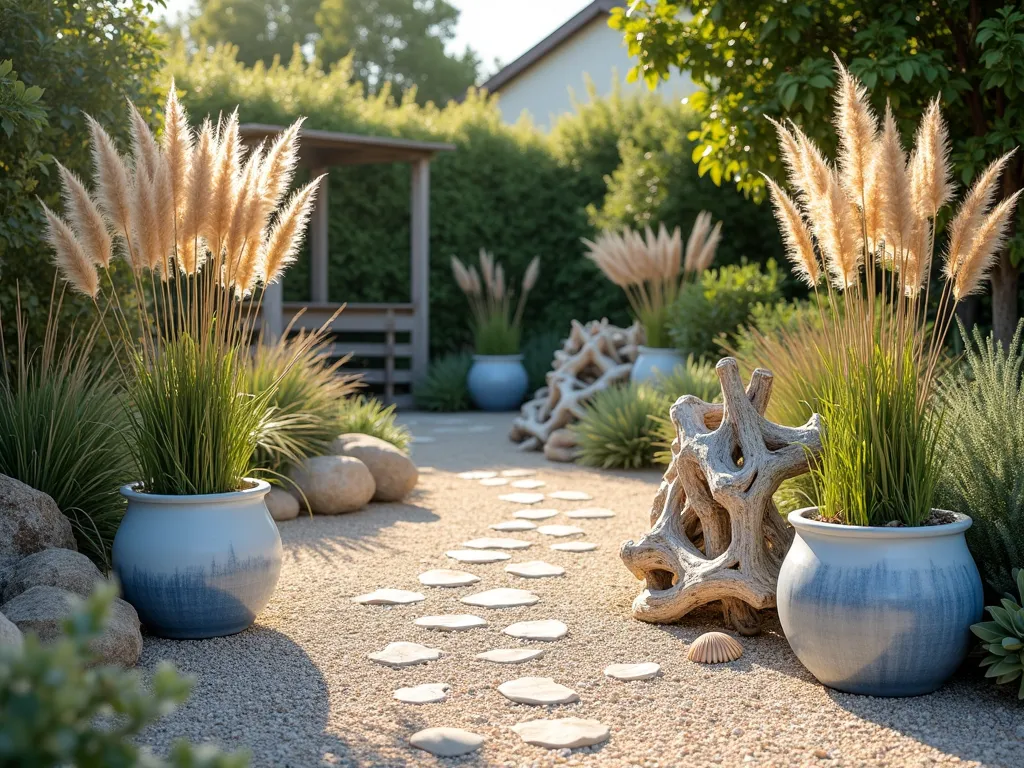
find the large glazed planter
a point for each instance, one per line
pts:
(197, 566)
(497, 382)
(879, 611)
(652, 361)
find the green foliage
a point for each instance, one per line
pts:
(539, 355)
(445, 388)
(56, 705)
(617, 430)
(696, 377)
(1003, 637)
(368, 416)
(984, 443)
(260, 30)
(710, 311)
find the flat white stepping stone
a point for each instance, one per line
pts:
(575, 546)
(513, 525)
(477, 555)
(522, 497)
(503, 597)
(442, 577)
(535, 569)
(511, 655)
(570, 495)
(428, 693)
(568, 733)
(518, 473)
(446, 742)
(389, 597)
(547, 629)
(537, 690)
(560, 531)
(528, 484)
(534, 514)
(590, 513)
(629, 672)
(477, 474)
(492, 481)
(496, 543)
(454, 622)
(405, 654)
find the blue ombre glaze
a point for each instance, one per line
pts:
(497, 382)
(879, 611)
(198, 566)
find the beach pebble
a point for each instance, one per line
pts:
(428, 693)
(503, 597)
(446, 742)
(394, 473)
(281, 505)
(568, 733)
(331, 485)
(405, 654)
(535, 569)
(537, 690)
(545, 629)
(443, 577)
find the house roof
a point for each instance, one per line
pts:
(510, 72)
(327, 148)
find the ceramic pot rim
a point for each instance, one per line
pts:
(798, 521)
(497, 358)
(642, 350)
(259, 489)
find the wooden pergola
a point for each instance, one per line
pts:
(318, 151)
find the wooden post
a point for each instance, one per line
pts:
(273, 313)
(318, 242)
(420, 266)
(389, 359)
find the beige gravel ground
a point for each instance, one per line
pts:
(298, 690)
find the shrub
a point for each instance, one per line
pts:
(1003, 637)
(616, 429)
(983, 440)
(368, 416)
(445, 388)
(539, 356)
(709, 312)
(695, 377)
(56, 706)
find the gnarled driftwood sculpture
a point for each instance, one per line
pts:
(716, 534)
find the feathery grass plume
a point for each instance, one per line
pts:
(279, 165)
(225, 179)
(72, 261)
(898, 212)
(799, 246)
(816, 171)
(791, 157)
(177, 146)
(283, 242)
(695, 242)
(838, 235)
(112, 180)
(707, 253)
(145, 232)
(531, 275)
(198, 200)
(85, 218)
(163, 201)
(972, 211)
(931, 171)
(857, 128)
(986, 243)
(248, 188)
(497, 318)
(144, 149)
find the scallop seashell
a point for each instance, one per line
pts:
(714, 648)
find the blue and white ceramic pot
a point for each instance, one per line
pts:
(652, 361)
(879, 611)
(198, 566)
(497, 382)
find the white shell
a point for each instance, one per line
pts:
(714, 648)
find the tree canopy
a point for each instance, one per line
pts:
(775, 58)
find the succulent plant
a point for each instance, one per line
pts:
(1003, 638)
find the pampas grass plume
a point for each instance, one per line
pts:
(89, 226)
(74, 264)
(285, 238)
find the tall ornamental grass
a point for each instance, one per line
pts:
(651, 268)
(861, 233)
(497, 318)
(204, 226)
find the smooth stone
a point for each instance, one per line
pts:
(590, 513)
(560, 530)
(629, 672)
(511, 655)
(446, 742)
(454, 622)
(405, 654)
(332, 485)
(503, 597)
(535, 569)
(535, 514)
(528, 484)
(428, 693)
(61, 568)
(30, 521)
(443, 577)
(567, 733)
(496, 543)
(570, 495)
(517, 473)
(546, 629)
(522, 497)
(477, 555)
(491, 482)
(575, 546)
(9, 633)
(477, 474)
(513, 525)
(281, 505)
(537, 690)
(389, 597)
(394, 473)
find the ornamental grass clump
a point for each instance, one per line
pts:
(651, 268)
(497, 316)
(861, 233)
(204, 227)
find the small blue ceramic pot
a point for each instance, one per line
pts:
(652, 362)
(879, 611)
(497, 382)
(197, 566)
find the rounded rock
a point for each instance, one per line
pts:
(9, 633)
(282, 505)
(394, 473)
(333, 485)
(62, 568)
(30, 521)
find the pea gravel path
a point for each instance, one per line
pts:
(298, 690)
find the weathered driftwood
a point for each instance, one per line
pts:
(592, 358)
(716, 534)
